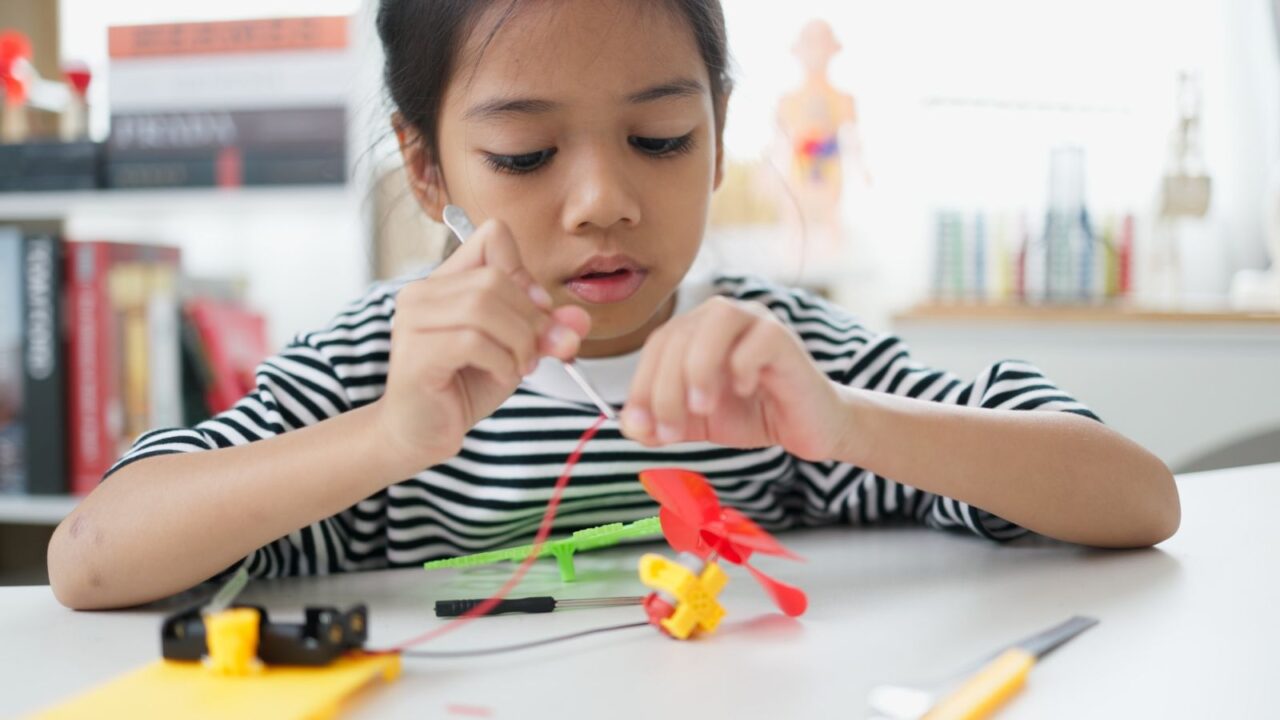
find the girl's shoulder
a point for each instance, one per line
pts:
(791, 304)
(370, 313)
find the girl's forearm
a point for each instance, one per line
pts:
(165, 523)
(1058, 474)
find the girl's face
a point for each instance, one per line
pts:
(588, 127)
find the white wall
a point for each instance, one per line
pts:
(1114, 60)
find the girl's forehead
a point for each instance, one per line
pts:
(570, 47)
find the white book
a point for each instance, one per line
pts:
(262, 80)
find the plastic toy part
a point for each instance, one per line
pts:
(562, 550)
(232, 637)
(688, 588)
(324, 635)
(167, 689)
(693, 521)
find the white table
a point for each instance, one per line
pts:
(1188, 630)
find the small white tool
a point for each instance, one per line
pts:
(457, 221)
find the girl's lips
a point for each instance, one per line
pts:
(602, 288)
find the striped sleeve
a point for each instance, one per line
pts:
(318, 376)
(857, 357)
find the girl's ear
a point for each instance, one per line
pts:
(425, 178)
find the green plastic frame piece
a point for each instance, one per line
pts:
(562, 550)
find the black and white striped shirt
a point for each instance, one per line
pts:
(493, 493)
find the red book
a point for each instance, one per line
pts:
(1126, 256)
(228, 36)
(234, 341)
(123, 351)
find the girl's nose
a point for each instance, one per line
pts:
(600, 195)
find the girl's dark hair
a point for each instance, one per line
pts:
(421, 40)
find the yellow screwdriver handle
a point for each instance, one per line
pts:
(987, 689)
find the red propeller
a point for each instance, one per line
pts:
(694, 521)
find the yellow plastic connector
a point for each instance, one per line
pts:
(232, 637)
(696, 606)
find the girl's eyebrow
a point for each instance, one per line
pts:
(499, 107)
(681, 87)
(502, 107)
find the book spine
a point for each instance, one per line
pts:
(91, 349)
(199, 134)
(164, 347)
(50, 166)
(212, 38)
(43, 363)
(230, 168)
(245, 81)
(13, 444)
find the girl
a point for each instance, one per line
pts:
(432, 417)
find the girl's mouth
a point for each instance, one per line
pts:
(607, 280)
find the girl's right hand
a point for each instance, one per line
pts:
(461, 340)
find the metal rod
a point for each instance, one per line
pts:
(456, 219)
(600, 602)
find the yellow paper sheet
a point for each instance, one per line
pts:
(187, 690)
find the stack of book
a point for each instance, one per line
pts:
(101, 342)
(254, 102)
(124, 351)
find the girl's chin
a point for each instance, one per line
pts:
(622, 328)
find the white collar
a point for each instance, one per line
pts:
(611, 376)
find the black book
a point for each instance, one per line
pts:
(36, 166)
(32, 383)
(233, 167)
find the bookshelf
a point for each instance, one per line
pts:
(19, 206)
(1102, 313)
(1191, 384)
(35, 509)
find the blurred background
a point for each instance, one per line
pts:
(1092, 185)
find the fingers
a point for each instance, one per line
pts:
(483, 299)
(685, 369)
(704, 361)
(493, 246)
(637, 417)
(759, 349)
(668, 394)
(462, 348)
(570, 324)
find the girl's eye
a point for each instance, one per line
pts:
(519, 164)
(662, 147)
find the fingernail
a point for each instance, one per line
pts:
(636, 421)
(533, 365)
(668, 434)
(540, 297)
(698, 401)
(561, 337)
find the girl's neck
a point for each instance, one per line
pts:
(630, 342)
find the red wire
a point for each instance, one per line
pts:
(544, 530)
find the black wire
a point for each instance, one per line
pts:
(521, 646)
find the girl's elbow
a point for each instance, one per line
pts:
(1162, 515)
(72, 576)
(1170, 512)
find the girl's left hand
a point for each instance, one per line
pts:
(731, 373)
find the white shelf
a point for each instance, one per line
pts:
(16, 206)
(36, 510)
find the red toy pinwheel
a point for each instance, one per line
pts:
(693, 521)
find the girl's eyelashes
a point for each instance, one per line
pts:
(662, 147)
(525, 163)
(519, 164)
